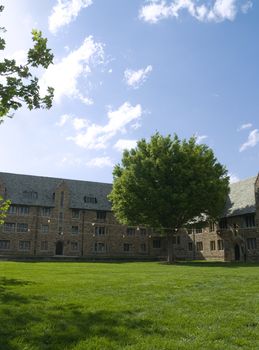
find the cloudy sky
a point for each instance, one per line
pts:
(126, 69)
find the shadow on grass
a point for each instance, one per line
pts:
(28, 322)
(214, 264)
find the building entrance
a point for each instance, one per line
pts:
(237, 252)
(59, 248)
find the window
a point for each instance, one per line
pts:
(100, 230)
(220, 244)
(250, 221)
(62, 199)
(101, 215)
(198, 230)
(74, 230)
(89, 199)
(60, 216)
(190, 231)
(130, 231)
(24, 210)
(43, 245)
(44, 228)
(12, 210)
(127, 247)
(223, 224)
(99, 247)
(4, 244)
(22, 227)
(178, 239)
(9, 227)
(46, 211)
(251, 243)
(211, 226)
(190, 246)
(156, 243)
(30, 194)
(199, 246)
(24, 245)
(212, 245)
(143, 247)
(75, 213)
(143, 232)
(74, 246)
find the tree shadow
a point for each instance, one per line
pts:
(215, 264)
(33, 322)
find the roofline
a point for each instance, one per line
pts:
(56, 178)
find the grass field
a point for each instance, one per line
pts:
(150, 306)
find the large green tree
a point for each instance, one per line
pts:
(19, 86)
(166, 183)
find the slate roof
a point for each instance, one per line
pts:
(46, 186)
(241, 199)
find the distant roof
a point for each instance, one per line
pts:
(241, 198)
(18, 186)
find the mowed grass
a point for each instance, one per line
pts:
(152, 306)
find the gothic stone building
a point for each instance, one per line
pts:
(52, 217)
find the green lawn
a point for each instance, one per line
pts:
(150, 306)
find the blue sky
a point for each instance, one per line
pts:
(126, 69)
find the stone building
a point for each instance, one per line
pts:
(52, 217)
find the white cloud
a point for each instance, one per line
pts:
(245, 126)
(208, 11)
(20, 57)
(122, 144)
(100, 162)
(64, 75)
(70, 160)
(252, 140)
(233, 178)
(66, 11)
(136, 78)
(96, 136)
(200, 138)
(63, 120)
(247, 6)
(80, 123)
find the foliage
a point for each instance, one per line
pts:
(132, 306)
(166, 182)
(18, 84)
(4, 205)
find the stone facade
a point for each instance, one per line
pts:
(69, 218)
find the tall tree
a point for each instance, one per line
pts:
(18, 84)
(20, 87)
(166, 183)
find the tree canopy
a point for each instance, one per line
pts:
(166, 183)
(18, 84)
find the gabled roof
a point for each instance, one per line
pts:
(241, 199)
(16, 185)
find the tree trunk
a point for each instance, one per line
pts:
(170, 255)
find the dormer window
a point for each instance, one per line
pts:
(89, 199)
(30, 194)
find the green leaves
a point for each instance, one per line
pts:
(167, 182)
(4, 205)
(20, 86)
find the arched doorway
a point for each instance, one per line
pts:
(237, 252)
(59, 248)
